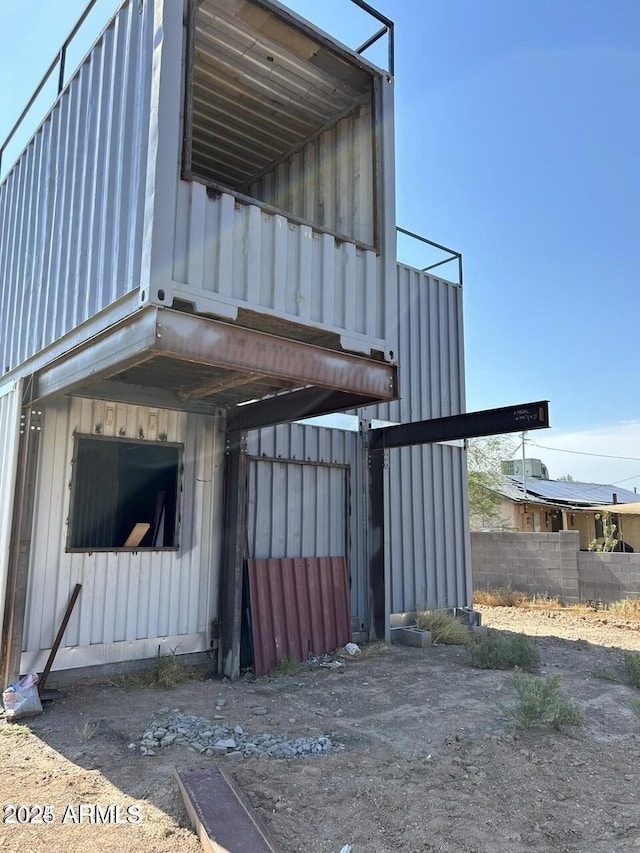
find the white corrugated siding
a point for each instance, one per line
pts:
(10, 399)
(319, 520)
(330, 181)
(428, 543)
(71, 209)
(232, 254)
(297, 509)
(428, 537)
(430, 349)
(130, 602)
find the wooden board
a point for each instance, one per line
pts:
(137, 534)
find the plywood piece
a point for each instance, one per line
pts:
(222, 816)
(137, 534)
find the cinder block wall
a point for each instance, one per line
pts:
(533, 563)
(552, 564)
(608, 577)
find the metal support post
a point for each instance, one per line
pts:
(234, 552)
(20, 546)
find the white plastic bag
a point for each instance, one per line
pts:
(22, 699)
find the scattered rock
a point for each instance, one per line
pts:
(203, 736)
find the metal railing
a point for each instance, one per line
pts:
(386, 29)
(453, 256)
(59, 60)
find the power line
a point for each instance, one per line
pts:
(584, 453)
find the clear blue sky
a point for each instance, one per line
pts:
(517, 143)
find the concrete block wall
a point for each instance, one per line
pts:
(533, 563)
(552, 564)
(608, 577)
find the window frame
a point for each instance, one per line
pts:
(78, 437)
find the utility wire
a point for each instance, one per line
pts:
(584, 453)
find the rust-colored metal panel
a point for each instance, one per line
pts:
(298, 607)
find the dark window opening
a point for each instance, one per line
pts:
(124, 495)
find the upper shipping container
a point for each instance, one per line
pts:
(222, 157)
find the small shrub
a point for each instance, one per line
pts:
(88, 731)
(288, 667)
(632, 668)
(634, 704)
(496, 650)
(445, 628)
(541, 702)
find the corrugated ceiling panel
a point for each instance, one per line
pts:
(298, 607)
(71, 209)
(261, 88)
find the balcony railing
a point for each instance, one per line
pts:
(452, 257)
(59, 63)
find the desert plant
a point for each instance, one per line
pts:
(88, 731)
(504, 596)
(609, 538)
(634, 704)
(540, 702)
(286, 666)
(495, 650)
(444, 627)
(632, 668)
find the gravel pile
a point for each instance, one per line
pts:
(210, 738)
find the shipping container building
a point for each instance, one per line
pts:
(198, 252)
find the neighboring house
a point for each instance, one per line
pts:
(198, 249)
(537, 505)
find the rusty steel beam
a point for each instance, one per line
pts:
(160, 332)
(218, 344)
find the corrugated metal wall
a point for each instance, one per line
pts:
(240, 255)
(71, 209)
(429, 543)
(10, 399)
(430, 349)
(298, 509)
(331, 180)
(428, 537)
(326, 516)
(128, 600)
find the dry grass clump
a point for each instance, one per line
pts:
(496, 650)
(445, 628)
(166, 671)
(504, 596)
(629, 608)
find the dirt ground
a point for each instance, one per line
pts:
(430, 763)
